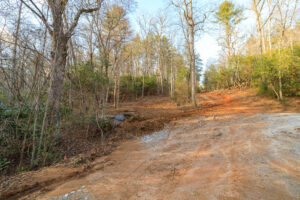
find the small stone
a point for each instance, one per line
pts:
(218, 134)
(120, 118)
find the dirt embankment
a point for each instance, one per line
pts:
(147, 115)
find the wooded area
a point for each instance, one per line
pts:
(268, 60)
(68, 61)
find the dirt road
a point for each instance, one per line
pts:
(237, 145)
(234, 152)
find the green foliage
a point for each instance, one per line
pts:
(150, 86)
(183, 74)
(17, 126)
(24, 169)
(4, 163)
(103, 124)
(258, 71)
(131, 87)
(182, 89)
(264, 90)
(211, 78)
(228, 14)
(13, 119)
(86, 77)
(13, 130)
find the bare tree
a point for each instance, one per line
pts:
(14, 70)
(160, 23)
(60, 37)
(194, 23)
(287, 11)
(258, 7)
(145, 24)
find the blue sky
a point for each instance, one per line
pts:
(150, 5)
(206, 45)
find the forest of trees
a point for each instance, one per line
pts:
(268, 60)
(73, 59)
(66, 59)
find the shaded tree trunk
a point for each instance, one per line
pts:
(269, 26)
(59, 60)
(172, 79)
(192, 52)
(56, 86)
(59, 52)
(143, 86)
(14, 72)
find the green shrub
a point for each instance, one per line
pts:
(182, 91)
(132, 86)
(16, 126)
(105, 124)
(4, 163)
(261, 71)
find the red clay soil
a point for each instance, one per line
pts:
(149, 115)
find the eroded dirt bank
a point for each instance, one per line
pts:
(226, 149)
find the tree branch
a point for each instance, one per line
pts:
(271, 13)
(77, 16)
(39, 14)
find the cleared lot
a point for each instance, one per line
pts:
(239, 156)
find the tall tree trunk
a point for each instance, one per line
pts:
(13, 78)
(70, 61)
(279, 70)
(59, 52)
(21, 72)
(58, 74)
(280, 85)
(269, 26)
(59, 58)
(259, 26)
(160, 66)
(259, 32)
(36, 110)
(115, 92)
(172, 79)
(162, 82)
(263, 39)
(143, 85)
(115, 88)
(228, 43)
(118, 90)
(192, 52)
